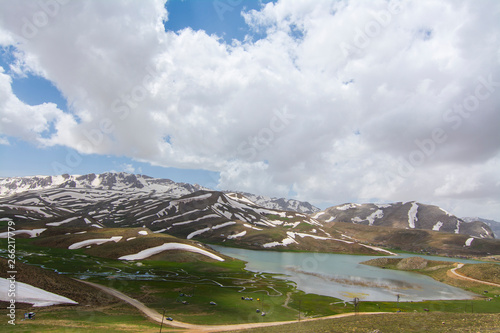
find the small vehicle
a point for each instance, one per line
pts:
(29, 315)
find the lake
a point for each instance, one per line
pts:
(342, 276)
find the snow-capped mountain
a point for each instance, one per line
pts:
(139, 184)
(42, 206)
(120, 181)
(202, 215)
(407, 215)
(279, 203)
(125, 200)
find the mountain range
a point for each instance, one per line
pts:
(405, 215)
(42, 206)
(138, 184)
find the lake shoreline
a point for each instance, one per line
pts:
(343, 276)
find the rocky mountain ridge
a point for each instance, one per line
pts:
(120, 181)
(232, 219)
(127, 182)
(278, 203)
(209, 216)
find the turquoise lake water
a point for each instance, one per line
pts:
(342, 276)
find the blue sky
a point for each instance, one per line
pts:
(324, 101)
(215, 17)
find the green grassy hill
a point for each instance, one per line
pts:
(132, 241)
(56, 283)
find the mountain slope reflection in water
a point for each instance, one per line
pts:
(342, 276)
(359, 281)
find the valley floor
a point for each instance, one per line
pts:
(153, 286)
(156, 316)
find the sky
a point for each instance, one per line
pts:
(322, 101)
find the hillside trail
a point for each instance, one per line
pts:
(193, 328)
(453, 271)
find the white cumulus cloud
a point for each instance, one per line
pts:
(339, 101)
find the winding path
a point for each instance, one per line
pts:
(156, 316)
(460, 276)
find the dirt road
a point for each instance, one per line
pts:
(460, 276)
(156, 316)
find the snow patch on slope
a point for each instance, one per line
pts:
(225, 224)
(379, 249)
(56, 224)
(412, 215)
(197, 232)
(26, 293)
(284, 242)
(251, 227)
(196, 220)
(437, 226)
(33, 232)
(95, 241)
(348, 206)
(318, 214)
(241, 234)
(486, 233)
(302, 235)
(370, 218)
(331, 219)
(375, 215)
(169, 246)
